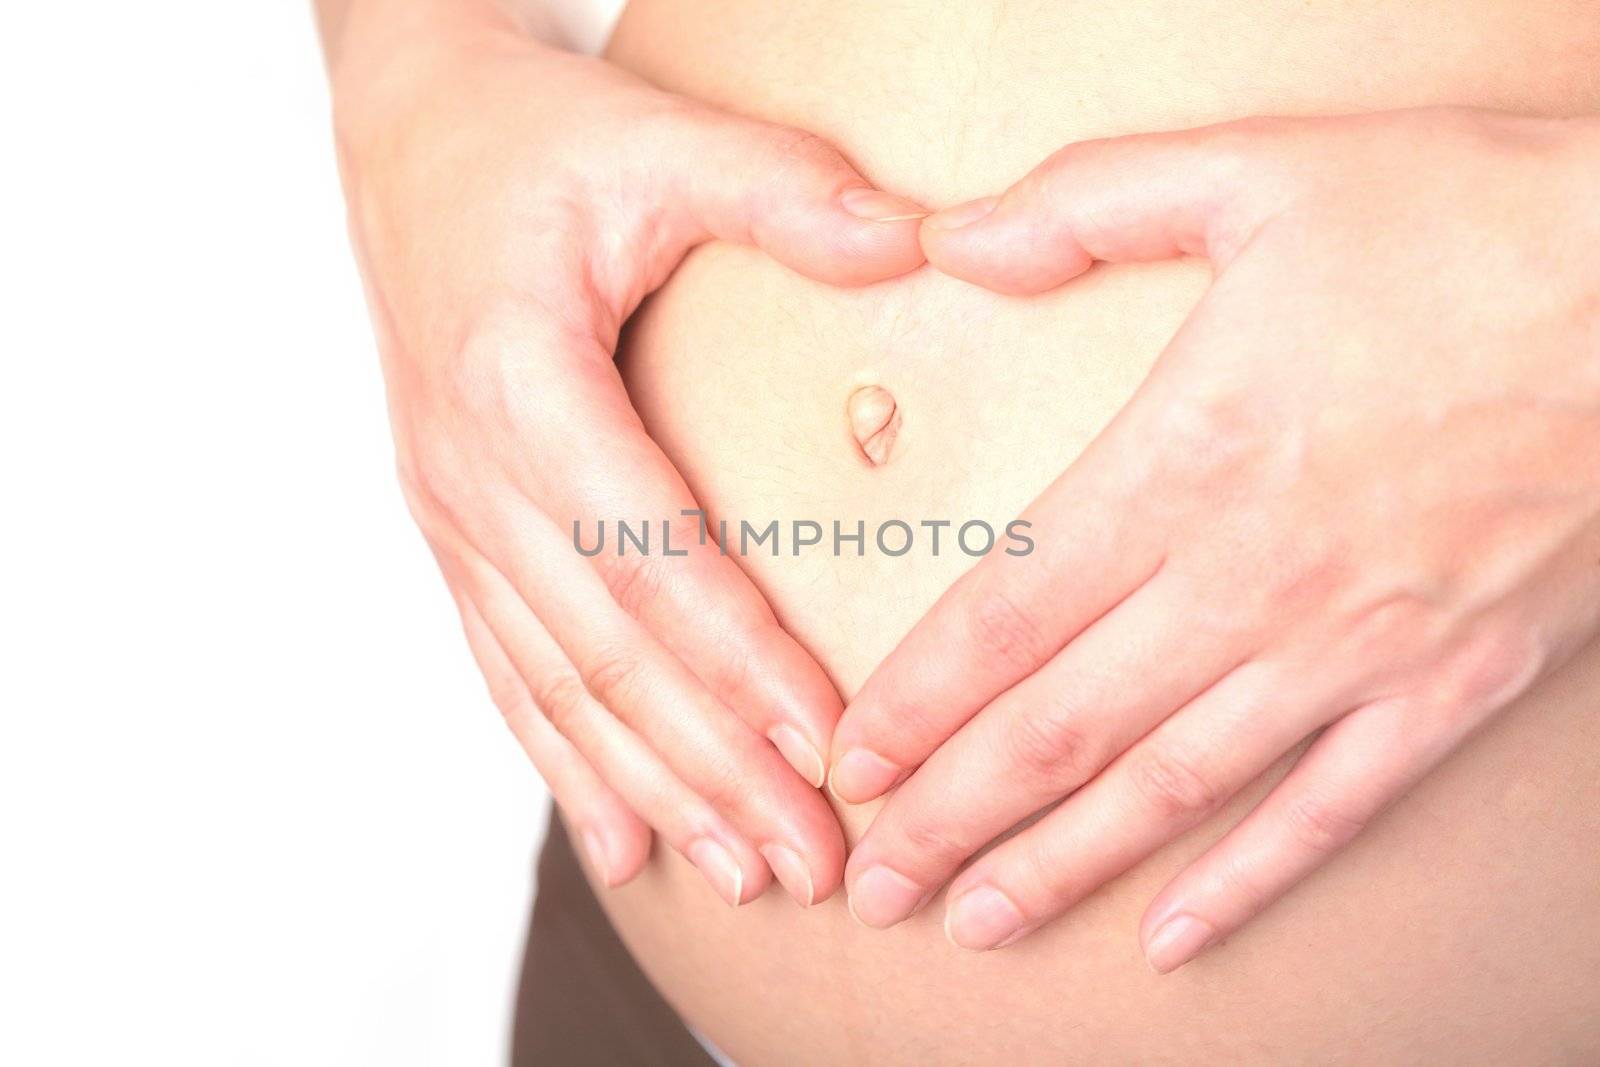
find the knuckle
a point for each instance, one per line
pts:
(1068, 163)
(1002, 626)
(1243, 881)
(561, 696)
(1306, 580)
(1216, 435)
(721, 785)
(734, 671)
(1039, 883)
(508, 693)
(797, 150)
(1061, 160)
(480, 380)
(901, 729)
(636, 582)
(1493, 668)
(1322, 825)
(788, 160)
(932, 845)
(1049, 747)
(615, 677)
(1171, 786)
(1039, 184)
(1395, 628)
(1243, 141)
(1261, 153)
(493, 372)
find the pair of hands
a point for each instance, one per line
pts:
(1359, 494)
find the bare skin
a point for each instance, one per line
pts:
(504, 240)
(603, 735)
(1458, 927)
(1341, 517)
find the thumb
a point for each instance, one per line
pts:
(790, 194)
(1199, 192)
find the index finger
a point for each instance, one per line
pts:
(1002, 621)
(689, 595)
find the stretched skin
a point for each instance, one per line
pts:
(1460, 928)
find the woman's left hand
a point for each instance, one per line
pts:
(1358, 494)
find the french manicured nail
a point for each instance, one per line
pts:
(982, 918)
(1178, 941)
(953, 218)
(719, 868)
(882, 897)
(792, 873)
(801, 754)
(877, 206)
(860, 775)
(594, 846)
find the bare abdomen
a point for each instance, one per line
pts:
(1464, 926)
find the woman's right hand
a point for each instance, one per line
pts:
(511, 205)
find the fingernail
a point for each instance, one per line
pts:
(860, 775)
(981, 919)
(594, 846)
(719, 868)
(953, 218)
(792, 872)
(877, 206)
(882, 897)
(801, 754)
(1177, 941)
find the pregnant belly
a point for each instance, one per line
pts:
(1463, 927)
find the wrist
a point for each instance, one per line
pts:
(392, 56)
(387, 39)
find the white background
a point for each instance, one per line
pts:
(255, 806)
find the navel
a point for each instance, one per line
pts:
(874, 422)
